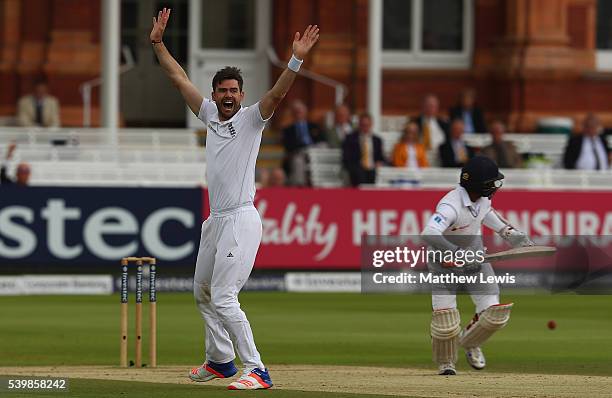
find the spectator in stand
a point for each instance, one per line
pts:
(466, 110)
(455, 152)
(434, 128)
(296, 138)
(341, 128)
(277, 177)
(502, 152)
(408, 152)
(362, 153)
(588, 150)
(262, 177)
(274, 177)
(39, 108)
(23, 171)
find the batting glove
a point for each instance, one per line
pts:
(515, 237)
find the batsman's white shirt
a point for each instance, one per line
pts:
(456, 214)
(459, 215)
(460, 221)
(231, 235)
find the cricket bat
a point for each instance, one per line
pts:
(521, 252)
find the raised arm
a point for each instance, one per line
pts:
(3, 166)
(301, 46)
(173, 70)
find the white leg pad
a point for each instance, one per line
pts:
(445, 329)
(485, 324)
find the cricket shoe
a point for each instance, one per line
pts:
(475, 358)
(252, 379)
(210, 370)
(447, 369)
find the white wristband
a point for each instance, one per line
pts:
(294, 64)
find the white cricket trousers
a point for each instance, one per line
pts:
(482, 297)
(228, 247)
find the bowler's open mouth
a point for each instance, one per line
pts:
(228, 105)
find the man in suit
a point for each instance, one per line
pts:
(589, 150)
(22, 176)
(434, 128)
(341, 128)
(301, 133)
(472, 116)
(455, 152)
(362, 153)
(503, 153)
(39, 108)
(296, 138)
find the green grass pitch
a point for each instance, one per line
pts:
(292, 328)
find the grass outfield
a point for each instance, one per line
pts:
(319, 329)
(88, 388)
(335, 329)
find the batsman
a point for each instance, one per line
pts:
(456, 225)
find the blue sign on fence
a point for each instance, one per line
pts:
(89, 226)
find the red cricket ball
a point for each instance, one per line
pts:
(552, 325)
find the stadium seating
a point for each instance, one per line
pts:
(86, 157)
(549, 145)
(515, 178)
(326, 168)
(148, 138)
(175, 157)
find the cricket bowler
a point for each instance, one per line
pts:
(456, 225)
(232, 234)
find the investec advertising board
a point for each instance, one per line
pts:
(73, 229)
(81, 229)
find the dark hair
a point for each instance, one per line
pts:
(227, 73)
(40, 81)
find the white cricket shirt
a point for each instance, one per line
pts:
(456, 214)
(459, 219)
(231, 152)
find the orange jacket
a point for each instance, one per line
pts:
(400, 155)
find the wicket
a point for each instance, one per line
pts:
(123, 356)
